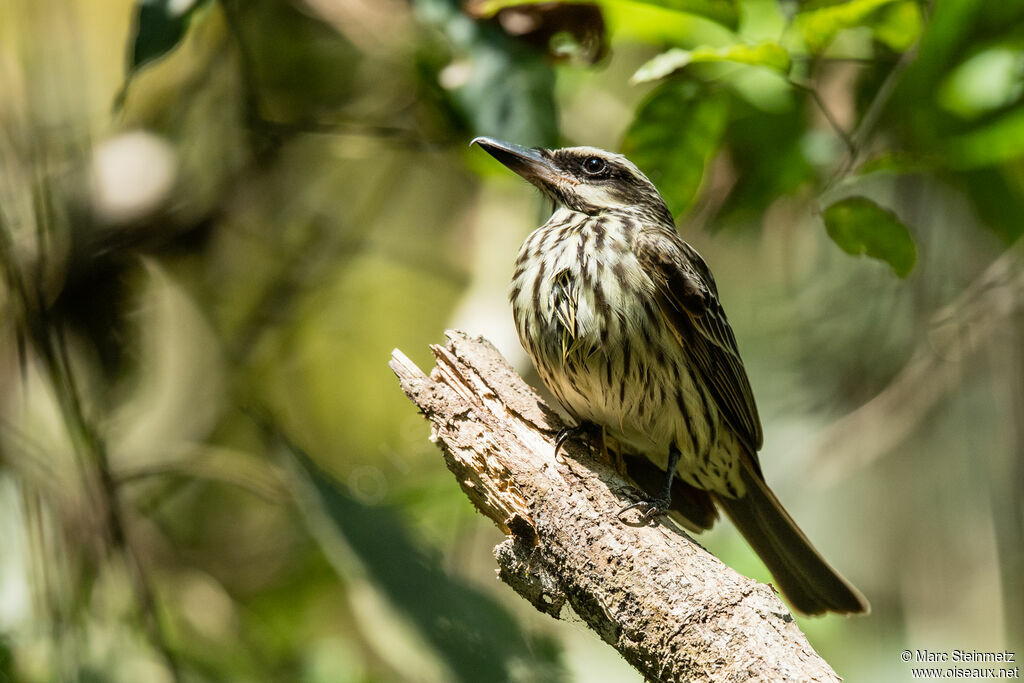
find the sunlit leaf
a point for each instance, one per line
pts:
(769, 55)
(819, 26)
(860, 226)
(159, 27)
(899, 26)
(988, 80)
(650, 24)
(675, 134)
(722, 12)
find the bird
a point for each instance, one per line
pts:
(622, 320)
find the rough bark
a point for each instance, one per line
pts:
(673, 610)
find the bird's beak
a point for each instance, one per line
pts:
(531, 164)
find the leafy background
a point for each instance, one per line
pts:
(218, 217)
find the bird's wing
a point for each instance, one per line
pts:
(688, 299)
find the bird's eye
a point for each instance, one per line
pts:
(594, 165)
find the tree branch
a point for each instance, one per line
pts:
(669, 607)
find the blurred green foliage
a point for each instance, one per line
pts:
(474, 635)
(689, 119)
(218, 217)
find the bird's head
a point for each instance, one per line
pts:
(584, 179)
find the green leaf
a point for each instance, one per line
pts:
(719, 11)
(767, 54)
(1000, 141)
(820, 26)
(899, 26)
(768, 158)
(895, 163)
(159, 27)
(985, 82)
(722, 12)
(860, 226)
(474, 635)
(675, 134)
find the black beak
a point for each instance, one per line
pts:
(531, 164)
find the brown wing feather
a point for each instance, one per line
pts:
(689, 301)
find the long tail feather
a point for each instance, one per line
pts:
(800, 572)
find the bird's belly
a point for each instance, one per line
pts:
(633, 387)
(602, 346)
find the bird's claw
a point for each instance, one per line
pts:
(583, 429)
(654, 507)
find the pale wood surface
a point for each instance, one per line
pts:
(673, 610)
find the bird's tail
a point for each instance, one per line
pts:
(800, 572)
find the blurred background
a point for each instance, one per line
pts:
(218, 217)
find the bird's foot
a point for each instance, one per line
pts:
(650, 508)
(655, 507)
(584, 431)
